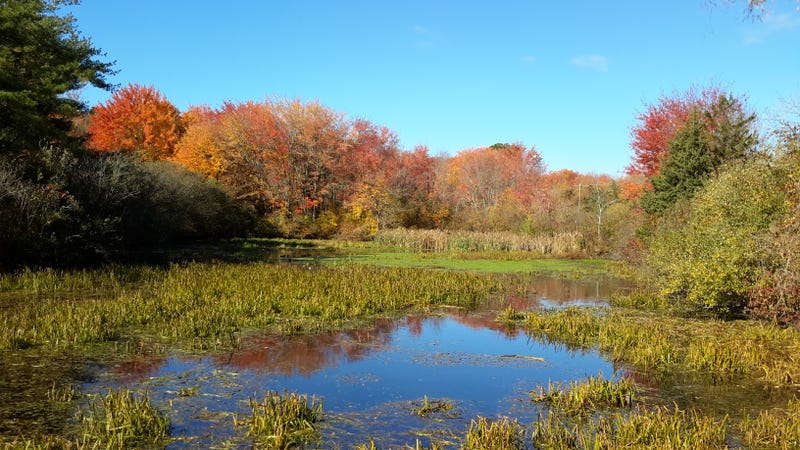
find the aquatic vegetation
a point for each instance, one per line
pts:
(208, 304)
(431, 408)
(661, 427)
(639, 299)
(500, 434)
(124, 419)
(668, 344)
(779, 429)
(583, 397)
(282, 421)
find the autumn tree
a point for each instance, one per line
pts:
(475, 180)
(658, 125)
(709, 138)
(42, 58)
(136, 119)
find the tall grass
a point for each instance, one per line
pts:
(500, 434)
(282, 421)
(557, 244)
(124, 419)
(209, 304)
(584, 397)
(669, 344)
(778, 429)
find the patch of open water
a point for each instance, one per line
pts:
(369, 378)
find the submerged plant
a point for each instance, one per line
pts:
(283, 421)
(428, 408)
(124, 419)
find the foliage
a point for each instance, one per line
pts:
(584, 397)
(710, 259)
(778, 428)
(42, 58)
(560, 244)
(136, 119)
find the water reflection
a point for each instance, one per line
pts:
(375, 371)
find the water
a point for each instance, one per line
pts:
(370, 378)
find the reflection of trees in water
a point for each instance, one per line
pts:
(307, 354)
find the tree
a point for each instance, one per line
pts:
(658, 125)
(685, 168)
(712, 135)
(42, 58)
(136, 119)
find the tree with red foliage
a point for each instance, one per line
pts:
(658, 125)
(137, 119)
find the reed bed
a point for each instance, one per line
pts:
(585, 397)
(123, 419)
(500, 434)
(778, 429)
(658, 428)
(666, 344)
(209, 304)
(282, 421)
(556, 244)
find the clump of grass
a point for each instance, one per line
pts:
(657, 428)
(430, 408)
(283, 421)
(501, 434)
(779, 429)
(584, 397)
(124, 419)
(417, 446)
(660, 428)
(639, 299)
(510, 315)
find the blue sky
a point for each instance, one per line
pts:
(567, 77)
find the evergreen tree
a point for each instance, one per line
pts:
(42, 58)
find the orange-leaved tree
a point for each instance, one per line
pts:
(136, 119)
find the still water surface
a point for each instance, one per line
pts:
(370, 378)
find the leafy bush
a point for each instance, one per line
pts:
(709, 253)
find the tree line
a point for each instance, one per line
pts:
(708, 206)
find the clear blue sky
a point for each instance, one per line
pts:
(567, 77)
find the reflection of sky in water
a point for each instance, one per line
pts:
(366, 377)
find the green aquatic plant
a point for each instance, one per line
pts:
(778, 428)
(124, 419)
(500, 434)
(282, 421)
(584, 397)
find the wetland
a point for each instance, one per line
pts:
(288, 345)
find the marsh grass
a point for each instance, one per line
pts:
(500, 434)
(208, 305)
(282, 421)
(124, 419)
(585, 397)
(660, 427)
(778, 429)
(557, 244)
(667, 344)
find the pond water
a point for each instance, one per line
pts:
(369, 379)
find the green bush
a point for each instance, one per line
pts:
(709, 252)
